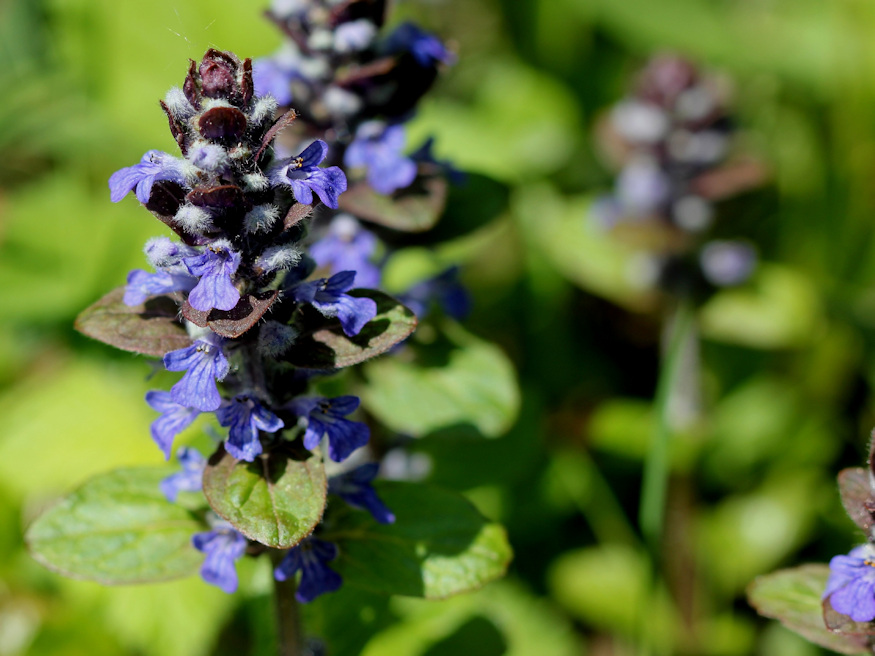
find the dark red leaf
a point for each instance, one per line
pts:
(235, 322)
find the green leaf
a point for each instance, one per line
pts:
(328, 347)
(152, 328)
(414, 209)
(117, 528)
(276, 500)
(438, 546)
(793, 597)
(460, 380)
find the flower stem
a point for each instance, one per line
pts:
(290, 640)
(656, 467)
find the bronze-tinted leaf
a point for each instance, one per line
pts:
(235, 322)
(325, 346)
(843, 624)
(218, 197)
(855, 486)
(191, 86)
(414, 209)
(222, 124)
(282, 123)
(297, 213)
(276, 500)
(152, 328)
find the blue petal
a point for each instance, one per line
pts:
(314, 154)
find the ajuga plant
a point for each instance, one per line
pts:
(233, 302)
(672, 140)
(831, 605)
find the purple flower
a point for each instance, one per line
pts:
(303, 175)
(174, 419)
(329, 297)
(204, 364)
(328, 417)
(445, 289)
(310, 557)
(222, 545)
(354, 35)
(727, 263)
(348, 247)
(355, 488)
(270, 77)
(851, 584)
(378, 147)
(426, 48)
(155, 165)
(246, 416)
(214, 267)
(142, 284)
(190, 479)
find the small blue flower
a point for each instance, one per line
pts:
(329, 297)
(246, 416)
(154, 166)
(851, 584)
(174, 419)
(354, 35)
(378, 148)
(190, 479)
(426, 48)
(328, 417)
(355, 488)
(215, 267)
(142, 284)
(444, 289)
(204, 364)
(303, 175)
(222, 545)
(310, 557)
(348, 247)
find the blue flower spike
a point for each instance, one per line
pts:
(324, 416)
(203, 363)
(348, 247)
(245, 416)
(223, 547)
(174, 419)
(154, 166)
(851, 584)
(190, 479)
(303, 175)
(355, 488)
(310, 558)
(378, 148)
(330, 298)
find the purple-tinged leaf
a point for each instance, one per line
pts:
(276, 500)
(322, 343)
(152, 328)
(414, 209)
(222, 124)
(297, 213)
(855, 486)
(793, 597)
(235, 322)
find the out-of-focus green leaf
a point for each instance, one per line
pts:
(470, 381)
(580, 579)
(588, 255)
(793, 597)
(117, 528)
(347, 619)
(275, 500)
(438, 546)
(330, 348)
(779, 308)
(526, 624)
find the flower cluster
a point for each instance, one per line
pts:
(671, 139)
(237, 208)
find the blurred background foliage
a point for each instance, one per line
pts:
(787, 361)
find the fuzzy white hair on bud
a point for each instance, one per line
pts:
(264, 108)
(193, 219)
(261, 218)
(178, 104)
(278, 258)
(255, 181)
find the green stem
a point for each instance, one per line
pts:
(289, 635)
(656, 467)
